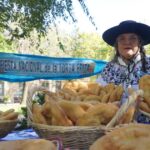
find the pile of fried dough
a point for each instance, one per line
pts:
(9, 114)
(67, 113)
(144, 84)
(129, 137)
(80, 104)
(89, 91)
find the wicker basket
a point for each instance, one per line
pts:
(6, 127)
(73, 137)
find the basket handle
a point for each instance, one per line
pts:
(31, 92)
(124, 107)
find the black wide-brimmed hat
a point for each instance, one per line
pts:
(129, 26)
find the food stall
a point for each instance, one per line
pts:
(21, 68)
(70, 125)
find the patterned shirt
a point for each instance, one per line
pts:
(126, 75)
(121, 74)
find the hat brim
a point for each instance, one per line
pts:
(110, 35)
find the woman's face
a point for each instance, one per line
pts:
(128, 45)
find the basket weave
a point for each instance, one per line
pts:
(6, 127)
(74, 137)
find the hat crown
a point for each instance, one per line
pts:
(127, 22)
(127, 26)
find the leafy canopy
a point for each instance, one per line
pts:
(20, 17)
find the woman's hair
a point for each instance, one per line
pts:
(142, 52)
(143, 59)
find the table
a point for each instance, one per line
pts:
(20, 135)
(29, 134)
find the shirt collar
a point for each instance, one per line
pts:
(135, 60)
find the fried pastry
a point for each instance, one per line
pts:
(113, 96)
(82, 85)
(128, 116)
(85, 105)
(129, 137)
(30, 144)
(10, 116)
(5, 113)
(92, 98)
(120, 91)
(144, 106)
(98, 114)
(56, 112)
(81, 97)
(144, 83)
(147, 97)
(69, 91)
(94, 88)
(72, 109)
(37, 114)
(105, 98)
(71, 85)
(85, 91)
(109, 87)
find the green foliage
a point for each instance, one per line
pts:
(20, 17)
(39, 98)
(86, 11)
(45, 45)
(91, 46)
(6, 45)
(22, 124)
(6, 98)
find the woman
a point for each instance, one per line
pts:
(130, 62)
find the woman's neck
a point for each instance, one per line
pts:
(125, 61)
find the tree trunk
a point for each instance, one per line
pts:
(58, 85)
(25, 93)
